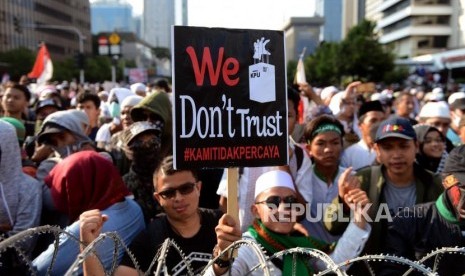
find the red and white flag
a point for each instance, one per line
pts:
(43, 67)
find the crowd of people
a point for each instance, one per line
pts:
(368, 173)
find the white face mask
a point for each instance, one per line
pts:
(67, 150)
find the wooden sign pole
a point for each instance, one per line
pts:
(232, 207)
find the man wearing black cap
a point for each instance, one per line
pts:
(44, 108)
(397, 183)
(417, 231)
(362, 154)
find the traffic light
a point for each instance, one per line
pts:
(79, 59)
(17, 24)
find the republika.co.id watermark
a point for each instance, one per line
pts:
(293, 212)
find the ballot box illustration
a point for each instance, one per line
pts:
(262, 85)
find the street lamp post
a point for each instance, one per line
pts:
(66, 28)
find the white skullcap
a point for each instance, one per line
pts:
(328, 92)
(273, 179)
(138, 87)
(437, 90)
(438, 96)
(375, 96)
(455, 96)
(435, 109)
(131, 101)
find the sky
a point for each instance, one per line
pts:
(250, 14)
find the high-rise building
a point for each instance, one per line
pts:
(331, 11)
(60, 24)
(111, 16)
(300, 33)
(418, 27)
(159, 16)
(353, 12)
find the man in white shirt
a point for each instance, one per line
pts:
(361, 154)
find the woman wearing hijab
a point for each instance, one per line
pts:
(273, 230)
(86, 181)
(432, 152)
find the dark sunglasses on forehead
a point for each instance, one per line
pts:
(274, 201)
(184, 189)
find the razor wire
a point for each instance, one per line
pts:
(16, 241)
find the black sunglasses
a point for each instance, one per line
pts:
(184, 189)
(274, 201)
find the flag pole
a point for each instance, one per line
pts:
(301, 56)
(299, 76)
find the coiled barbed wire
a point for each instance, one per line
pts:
(437, 254)
(159, 259)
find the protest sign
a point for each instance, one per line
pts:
(230, 102)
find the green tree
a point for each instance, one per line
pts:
(17, 62)
(323, 66)
(161, 52)
(362, 56)
(65, 70)
(98, 68)
(291, 70)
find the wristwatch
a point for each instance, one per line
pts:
(220, 262)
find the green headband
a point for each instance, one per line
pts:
(325, 128)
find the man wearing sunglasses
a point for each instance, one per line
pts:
(191, 228)
(273, 228)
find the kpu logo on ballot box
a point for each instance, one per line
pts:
(262, 74)
(230, 101)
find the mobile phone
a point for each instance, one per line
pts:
(367, 87)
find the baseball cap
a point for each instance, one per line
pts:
(454, 168)
(48, 129)
(395, 127)
(47, 102)
(137, 128)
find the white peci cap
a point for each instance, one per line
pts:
(435, 109)
(273, 179)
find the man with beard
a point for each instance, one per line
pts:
(417, 231)
(142, 143)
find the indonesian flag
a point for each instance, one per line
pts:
(43, 67)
